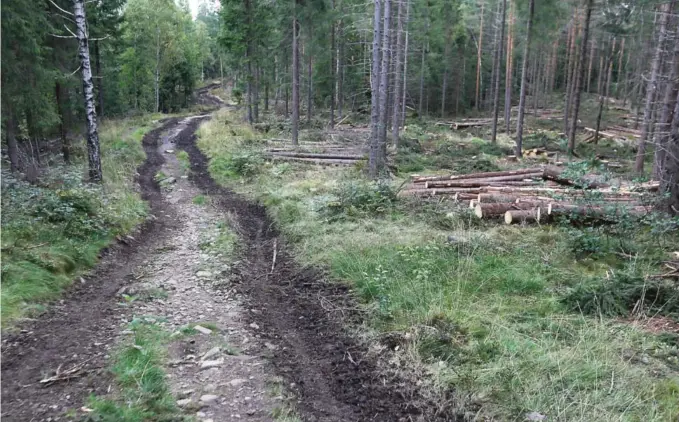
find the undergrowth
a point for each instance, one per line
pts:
(512, 320)
(53, 230)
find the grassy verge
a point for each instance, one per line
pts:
(138, 369)
(494, 313)
(53, 231)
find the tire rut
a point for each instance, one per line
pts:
(335, 377)
(81, 328)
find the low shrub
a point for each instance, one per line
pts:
(243, 164)
(353, 198)
(623, 293)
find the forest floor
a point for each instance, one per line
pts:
(201, 312)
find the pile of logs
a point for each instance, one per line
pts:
(318, 154)
(619, 134)
(533, 194)
(466, 123)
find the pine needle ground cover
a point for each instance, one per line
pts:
(489, 313)
(53, 230)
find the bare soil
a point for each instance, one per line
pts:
(287, 320)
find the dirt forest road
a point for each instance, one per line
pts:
(286, 321)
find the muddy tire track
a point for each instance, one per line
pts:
(81, 328)
(335, 377)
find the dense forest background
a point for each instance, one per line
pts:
(327, 58)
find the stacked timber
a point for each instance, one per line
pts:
(534, 195)
(466, 123)
(329, 155)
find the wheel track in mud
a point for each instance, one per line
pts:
(335, 377)
(80, 327)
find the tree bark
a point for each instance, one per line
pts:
(93, 154)
(157, 79)
(310, 81)
(402, 119)
(100, 79)
(589, 66)
(396, 117)
(255, 93)
(295, 76)
(425, 44)
(446, 59)
(374, 165)
(333, 67)
(580, 76)
(478, 61)
(570, 69)
(10, 133)
(664, 124)
(609, 76)
(669, 182)
(65, 143)
(384, 79)
(652, 88)
(524, 81)
(508, 67)
(498, 55)
(602, 101)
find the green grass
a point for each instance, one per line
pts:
(144, 394)
(52, 232)
(487, 315)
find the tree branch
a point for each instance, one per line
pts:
(62, 36)
(70, 32)
(57, 6)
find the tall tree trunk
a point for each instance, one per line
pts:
(498, 55)
(310, 81)
(479, 49)
(669, 181)
(664, 124)
(374, 164)
(580, 76)
(402, 120)
(652, 88)
(609, 77)
(157, 79)
(524, 81)
(266, 90)
(508, 67)
(602, 101)
(255, 94)
(10, 133)
(384, 79)
(100, 79)
(295, 76)
(93, 154)
(620, 69)
(333, 64)
(490, 92)
(421, 102)
(340, 74)
(600, 75)
(446, 60)
(400, 52)
(570, 70)
(65, 143)
(589, 66)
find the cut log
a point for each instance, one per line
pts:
(318, 155)
(595, 212)
(556, 174)
(491, 198)
(484, 175)
(441, 191)
(498, 209)
(483, 181)
(331, 162)
(523, 216)
(479, 184)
